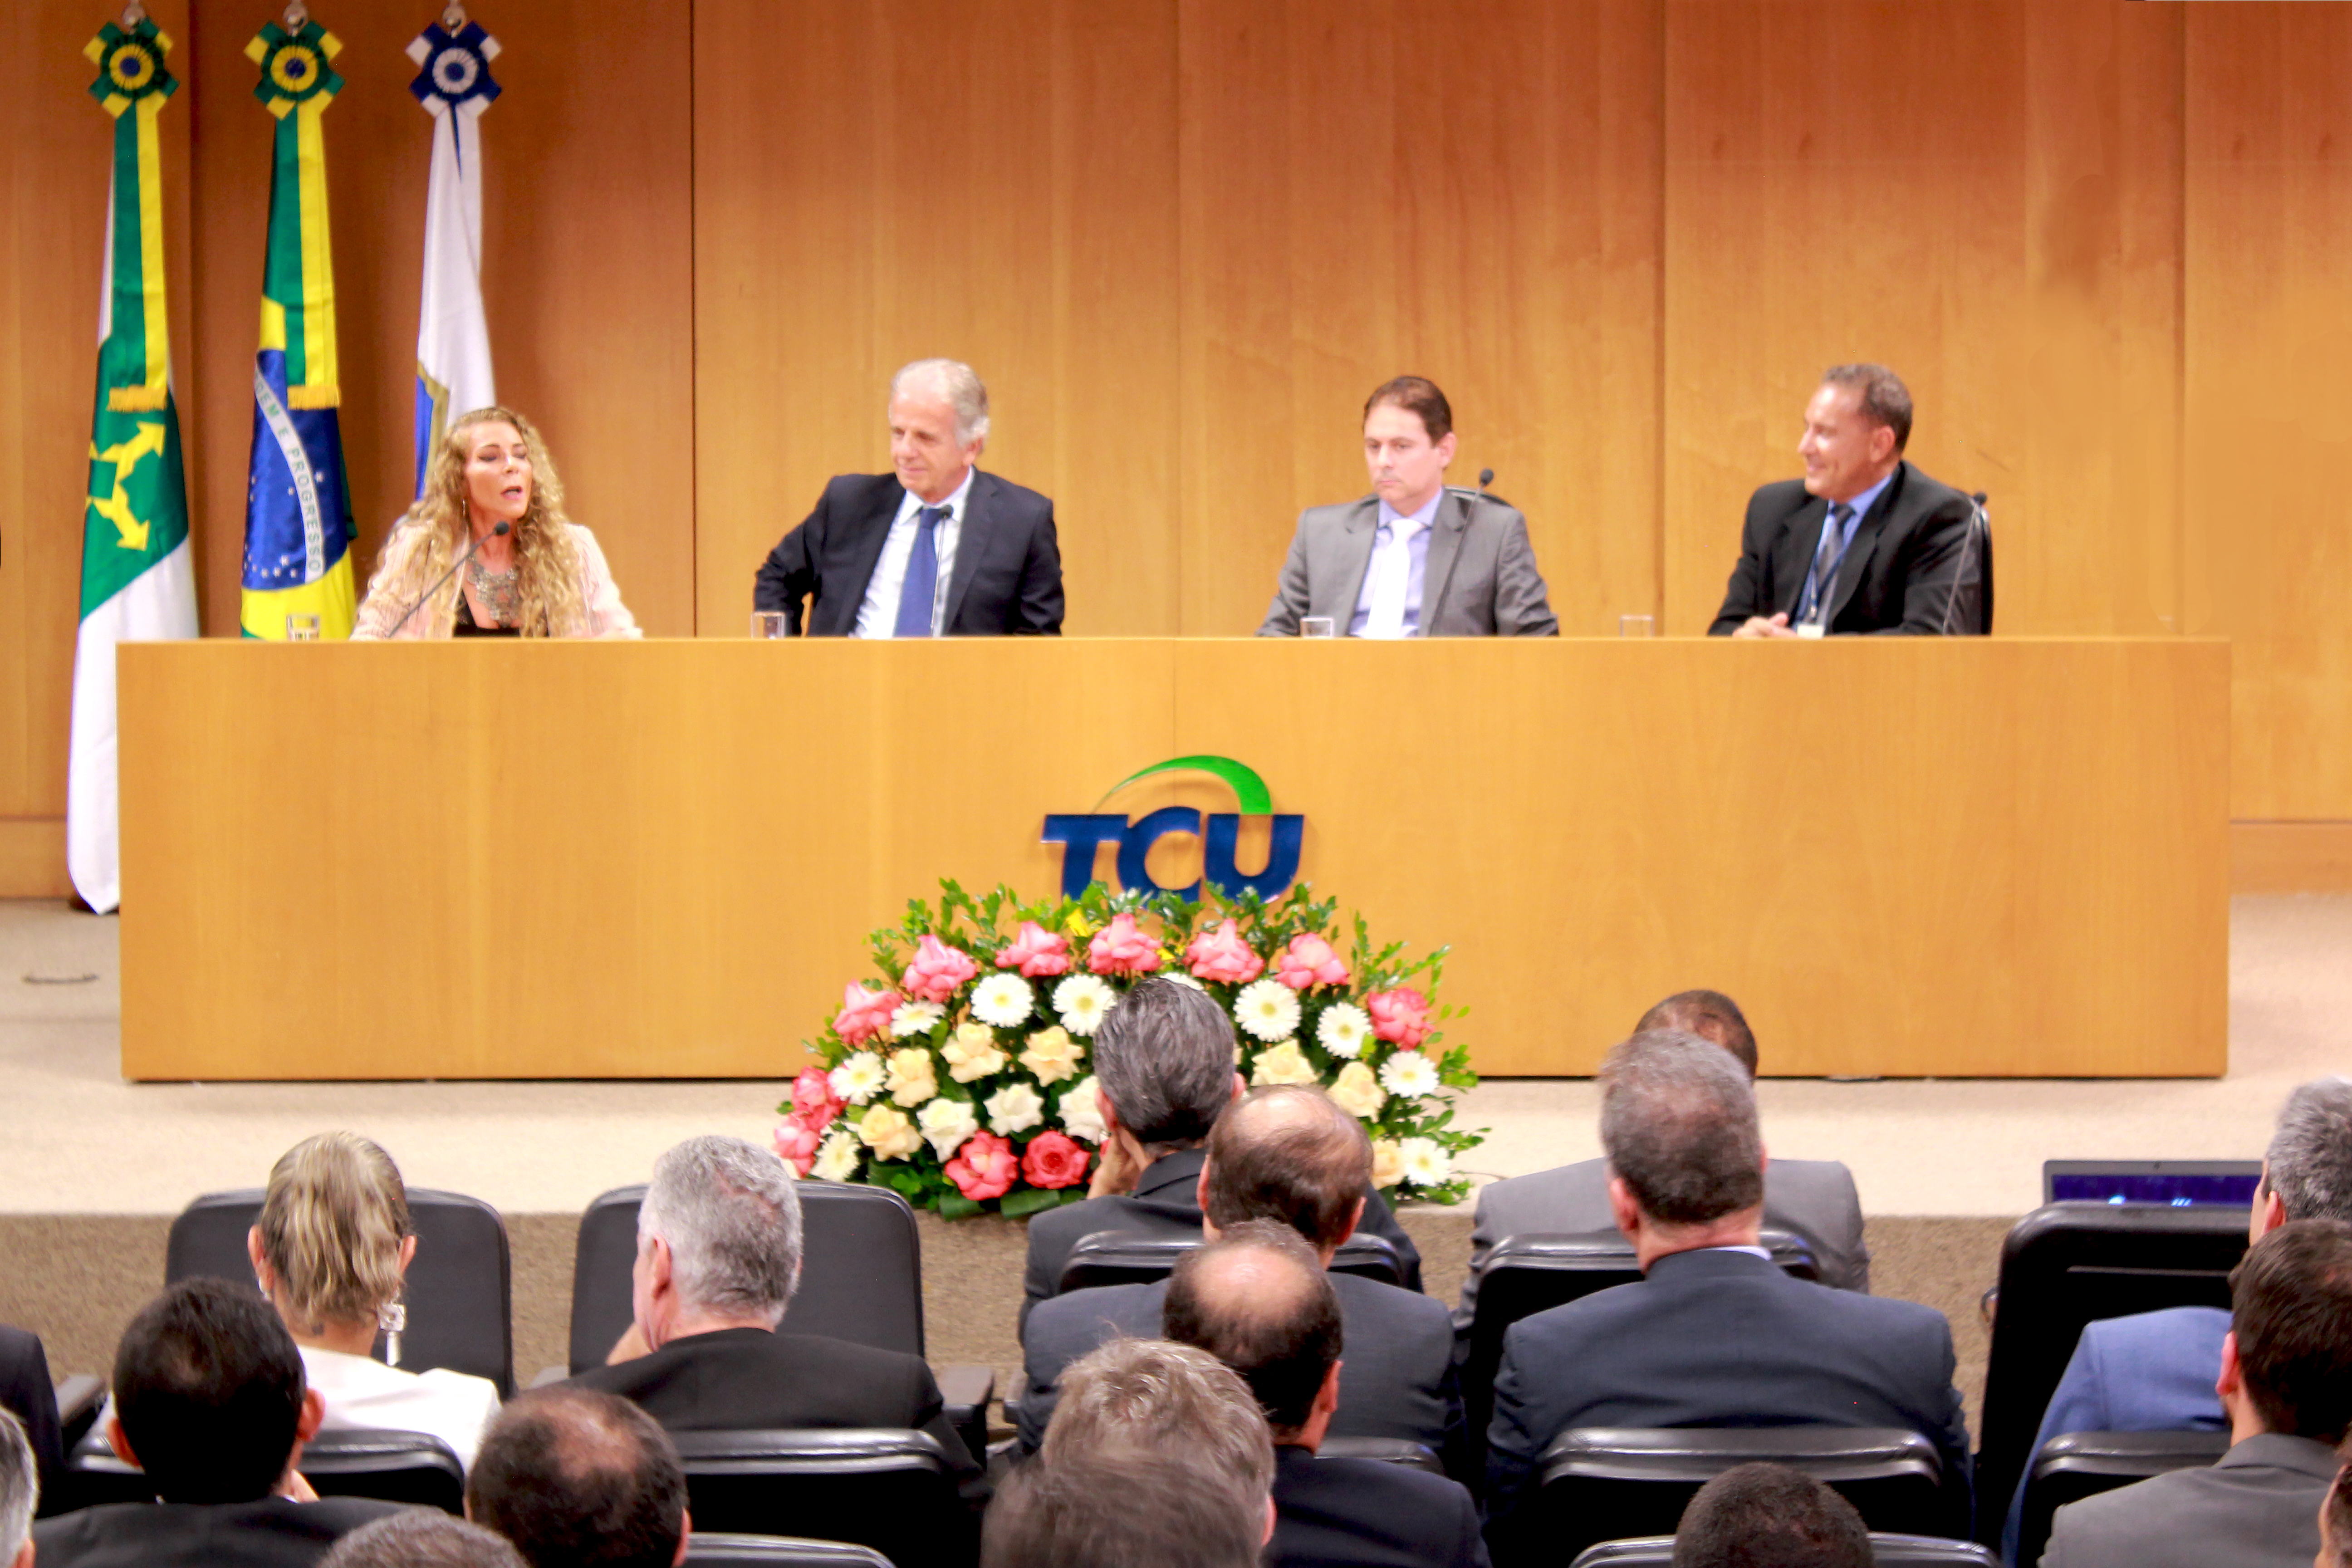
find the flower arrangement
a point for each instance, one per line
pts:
(961, 1078)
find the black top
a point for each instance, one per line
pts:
(269, 1533)
(1361, 1514)
(464, 626)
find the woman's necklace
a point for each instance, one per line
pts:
(500, 593)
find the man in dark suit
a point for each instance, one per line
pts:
(1864, 542)
(2286, 1383)
(25, 1389)
(1756, 1514)
(934, 548)
(1261, 1302)
(1164, 1059)
(574, 1477)
(1289, 1155)
(1714, 1334)
(1813, 1200)
(718, 1255)
(209, 1400)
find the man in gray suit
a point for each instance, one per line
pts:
(1290, 1155)
(1814, 1200)
(2286, 1383)
(1416, 558)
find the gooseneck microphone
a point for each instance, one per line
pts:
(1485, 477)
(501, 528)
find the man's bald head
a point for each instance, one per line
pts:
(576, 1477)
(1709, 1014)
(1257, 1298)
(1289, 1155)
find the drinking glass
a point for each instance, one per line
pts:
(767, 625)
(302, 628)
(1637, 625)
(1317, 626)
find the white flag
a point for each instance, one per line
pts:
(453, 336)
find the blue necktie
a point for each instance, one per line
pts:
(1823, 578)
(923, 581)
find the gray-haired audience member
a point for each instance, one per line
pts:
(2286, 1383)
(719, 1256)
(421, 1537)
(1164, 1059)
(1714, 1333)
(1165, 1508)
(1769, 1516)
(1259, 1300)
(20, 1494)
(1286, 1154)
(1135, 1396)
(1813, 1200)
(576, 1479)
(2153, 1372)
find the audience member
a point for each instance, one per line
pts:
(1769, 1516)
(2336, 1524)
(209, 1401)
(2153, 1372)
(718, 1256)
(1289, 1154)
(332, 1246)
(20, 1492)
(1164, 1059)
(1259, 1300)
(26, 1390)
(1146, 1396)
(1714, 1334)
(421, 1537)
(579, 1478)
(1164, 1508)
(1813, 1200)
(2286, 1383)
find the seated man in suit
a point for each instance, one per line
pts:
(209, 1401)
(934, 548)
(1769, 1516)
(2155, 1372)
(1813, 1200)
(1714, 1334)
(2336, 1524)
(1261, 1302)
(575, 1477)
(2287, 1382)
(1416, 558)
(25, 1389)
(718, 1256)
(20, 1494)
(422, 1538)
(1164, 1059)
(1289, 1155)
(1864, 542)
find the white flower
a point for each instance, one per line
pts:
(1082, 1000)
(1343, 1029)
(1268, 1009)
(1284, 1063)
(1004, 1000)
(971, 1053)
(836, 1157)
(888, 1133)
(915, 1018)
(1354, 1091)
(1388, 1162)
(1015, 1108)
(914, 1077)
(1080, 1112)
(1425, 1162)
(1410, 1074)
(946, 1123)
(859, 1075)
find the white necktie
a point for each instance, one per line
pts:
(1392, 573)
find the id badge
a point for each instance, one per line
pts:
(1811, 629)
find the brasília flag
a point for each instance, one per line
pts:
(137, 579)
(453, 336)
(297, 513)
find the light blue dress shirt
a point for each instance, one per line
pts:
(877, 614)
(1385, 550)
(1862, 505)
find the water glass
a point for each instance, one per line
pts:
(767, 625)
(1637, 625)
(302, 628)
(1317, 626)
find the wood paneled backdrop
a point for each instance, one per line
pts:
(2109, 245)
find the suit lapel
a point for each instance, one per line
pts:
(1355, 558)
(972, 542)
(1866, 540)
(873, 533)
(1437, 570)
(1805, 527)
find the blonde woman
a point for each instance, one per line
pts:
(534, 572)
(332, 1245)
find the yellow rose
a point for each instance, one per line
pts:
(890, 1133)
(1052, 1055)
(1388, 1162)
(912, 1078)
(1284, 1063)
(1356, 1092)
(971, 1053)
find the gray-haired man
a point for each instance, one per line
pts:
(20, 1494)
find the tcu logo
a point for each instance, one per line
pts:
(1081, 834)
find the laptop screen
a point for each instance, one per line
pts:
(2176, 1183)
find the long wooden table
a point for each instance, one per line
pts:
(661, 859)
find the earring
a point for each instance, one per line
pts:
(392, 1319)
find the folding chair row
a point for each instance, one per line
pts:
(1886, 1551)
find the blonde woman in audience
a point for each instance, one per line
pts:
(332, 1245)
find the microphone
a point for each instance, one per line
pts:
(498, 530)
(1485, 477)
(1967, 546)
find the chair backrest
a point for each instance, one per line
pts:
(1886, 1551)
(1967, 612)
(412, 1467)
(2076, 1465)
(861, 1271)
(2065, 1265)
(889, 1491)
(460, 1291)
(778, 1552)
(1137, 1257)
(1611, 1483)
(1383, 1450)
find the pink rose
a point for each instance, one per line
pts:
(814, 1102)
(935, 971)
(1036, 952)
(1121, 949)
(796, 1143)
(984, 1167)
(1402, 1016)
(1053, 1160)
(1222, 956)
(863, 1014)
(1309, 962)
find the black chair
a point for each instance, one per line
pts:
(2065, 1265)
(411, 1467)
(80, 1398)
(1134, 1258)
(1383, 1450)
(1968, 609)
(885, 1489)
(2076, 1465)
(1604, 1483)
(460, 1290)
(1885, 1551)
(778, 1552)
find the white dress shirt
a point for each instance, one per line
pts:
(877, 616)
(1391, 602)
(361, 1391)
